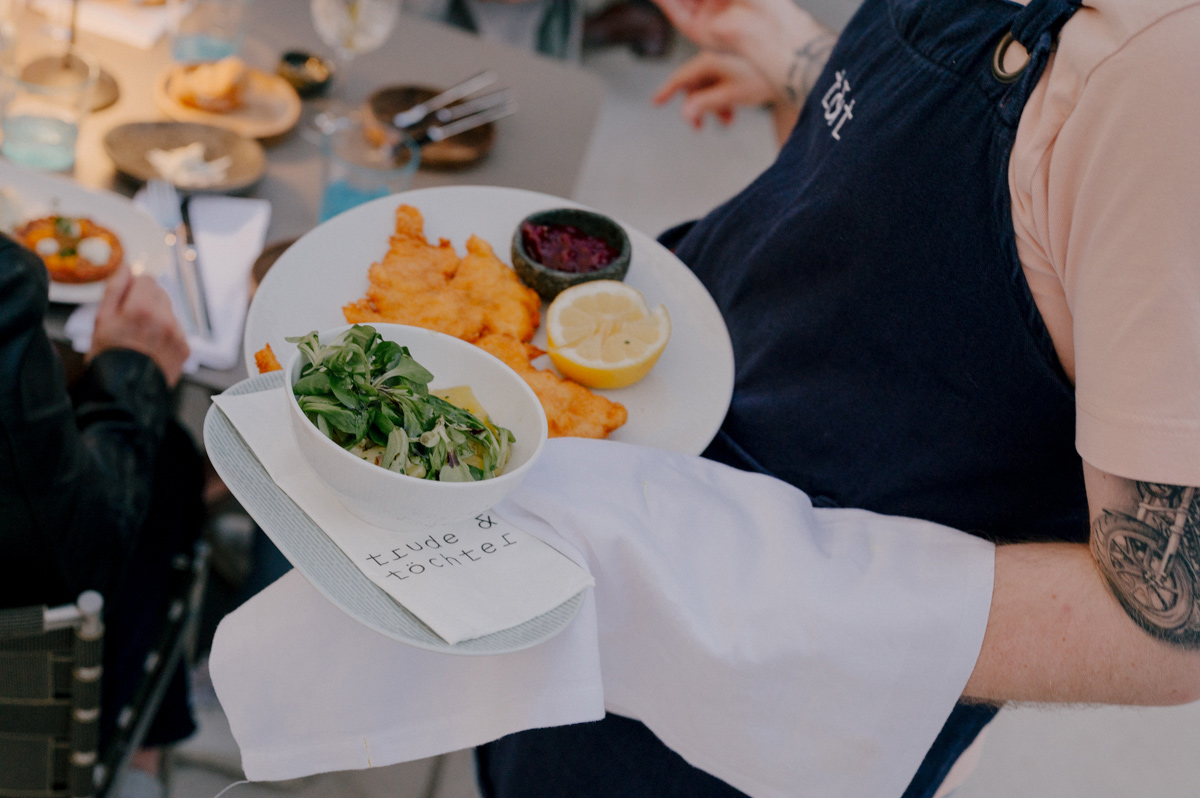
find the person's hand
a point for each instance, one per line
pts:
(783, 41)
(136, 314)
(716, 83)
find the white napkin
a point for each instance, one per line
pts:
(230, 233)
(448, 702)
(136, 25)
(463, 580)
(785, 649)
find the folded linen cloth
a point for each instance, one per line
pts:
(785, 649)
(463, 580)
(230, 233)
(136, 25)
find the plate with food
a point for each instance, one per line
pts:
(230, 95)
(441, 258)
(326, 565)
(195, 157)
(82, 236)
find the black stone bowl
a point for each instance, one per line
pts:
(550, 282)
(310, 75)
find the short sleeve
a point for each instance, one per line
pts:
(1124, 229)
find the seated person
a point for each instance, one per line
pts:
(552, 28)
(99, 488)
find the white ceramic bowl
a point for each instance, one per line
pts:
(399, 502)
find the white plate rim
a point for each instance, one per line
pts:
(142, 239)
(700, 346)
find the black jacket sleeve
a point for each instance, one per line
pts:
(75, 479)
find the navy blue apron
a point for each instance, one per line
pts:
(888, 351)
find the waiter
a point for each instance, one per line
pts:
(968, 291)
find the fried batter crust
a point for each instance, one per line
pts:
(571, 409)
(266, 361)
(478, 299)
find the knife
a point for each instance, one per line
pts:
(481, 103)
(442, 132)
(414, 115)
(189, 268)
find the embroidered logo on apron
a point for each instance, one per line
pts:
(837, 110)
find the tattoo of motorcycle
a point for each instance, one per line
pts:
(1152, 560)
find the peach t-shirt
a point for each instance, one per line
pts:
(1105, 181)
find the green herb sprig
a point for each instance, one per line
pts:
(369, 396)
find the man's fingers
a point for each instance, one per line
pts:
(141, 295)
(697, 71)
(665, 91)
(718, 99)
(115, 290)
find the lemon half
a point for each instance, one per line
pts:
(603, 335)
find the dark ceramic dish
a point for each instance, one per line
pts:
(550, 282)
(456, 152)
(310, 75)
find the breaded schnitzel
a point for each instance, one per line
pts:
(479, 299)
(571, 409)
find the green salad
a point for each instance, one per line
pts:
(371, 398)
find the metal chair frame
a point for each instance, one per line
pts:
(50, 719)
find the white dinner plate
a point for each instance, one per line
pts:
(326, 566)
(679, 406)
(39, 194)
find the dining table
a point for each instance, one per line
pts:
(541, 147)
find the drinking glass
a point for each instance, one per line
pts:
(206, 30)
(353, 27)
(354, 170)
(42, 102)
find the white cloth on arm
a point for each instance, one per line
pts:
(785, 649)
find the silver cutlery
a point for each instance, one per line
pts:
(197, 275)
(416, 114)
(442, 132)
(162, 200)
(481, 103)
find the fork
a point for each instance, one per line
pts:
(162, 201)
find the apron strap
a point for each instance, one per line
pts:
(1040, 17)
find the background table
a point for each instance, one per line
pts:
(540, 148)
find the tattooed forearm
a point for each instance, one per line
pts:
(806, 65)
(1151, 560)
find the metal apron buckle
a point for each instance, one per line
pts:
(998, 61)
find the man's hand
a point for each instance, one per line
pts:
(136, 314)
(716, 83)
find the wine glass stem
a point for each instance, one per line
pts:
(341, 76)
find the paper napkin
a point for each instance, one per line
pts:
(788, 650)
(230, 233)
(135, 25)
(463, 580)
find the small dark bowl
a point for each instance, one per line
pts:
(550, 282)
(310, 75)
(456, 152)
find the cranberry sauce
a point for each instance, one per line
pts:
(566, 248)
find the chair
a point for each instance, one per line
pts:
(50, 677)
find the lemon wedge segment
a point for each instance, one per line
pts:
(602, 334)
